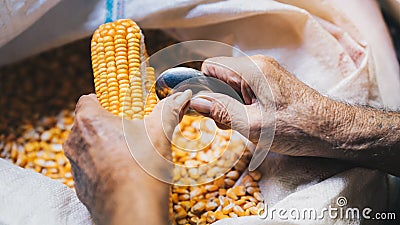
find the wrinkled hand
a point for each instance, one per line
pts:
(274, 100)
(108, 180)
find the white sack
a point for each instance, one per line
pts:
(29, 198)
(17, 15)
(308, 183)
(336, 49)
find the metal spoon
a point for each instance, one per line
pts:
(182, 78)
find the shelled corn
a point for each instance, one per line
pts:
(231, 194)
(124, 86)
(37, 103)
(40, 148)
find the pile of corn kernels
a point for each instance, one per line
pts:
(225, 189)
(38, 100)
(40, 148)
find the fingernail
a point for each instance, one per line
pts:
(201, 105)
(183, 97)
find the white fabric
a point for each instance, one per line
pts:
(29, 198)
(320, 196)
(379, 42)
(333, 46)
(308, 183)
(18, 15)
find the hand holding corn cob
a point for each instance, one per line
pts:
(107, 179)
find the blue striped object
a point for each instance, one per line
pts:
(118, 14)
(121, 9)
(109, 12)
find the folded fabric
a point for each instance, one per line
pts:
(29, 198)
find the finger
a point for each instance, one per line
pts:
(150, 144)
(225, 111)
(238, 72)
(89, 106)
(222, 68)
(93, 121)
(247, 94)
(84, 130)
(169, 111)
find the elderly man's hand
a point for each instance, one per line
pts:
(265, 87)
(108, 180)
(306, 123)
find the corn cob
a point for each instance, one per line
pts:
(124, 85)
(120, 70)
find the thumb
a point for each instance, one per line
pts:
(225, 111)
(169, 111)
(88, 106)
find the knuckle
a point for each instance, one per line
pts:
(264, 62)
(269, 60)
(208, 67)
(262, 58)
(80, 103)
(259, 57)
(211, 61)
(85, 109)
(220, 113)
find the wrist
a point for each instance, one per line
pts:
(342, 128)
(139, 198)
(365, 128)
(355, 133)
(373, 139)
(148, 208)
(316, 125)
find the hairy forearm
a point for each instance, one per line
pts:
(372, 137)
(366, 136)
